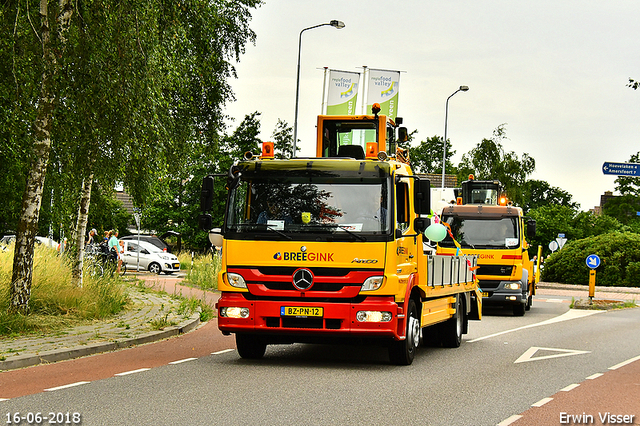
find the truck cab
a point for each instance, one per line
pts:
(481, 225)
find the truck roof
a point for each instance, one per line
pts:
(481, 210)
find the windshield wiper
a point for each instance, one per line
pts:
(271, 228)
(345, 229)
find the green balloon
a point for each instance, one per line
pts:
(436, 232)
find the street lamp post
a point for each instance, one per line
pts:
(336, 24)
(446, 116)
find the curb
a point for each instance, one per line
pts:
(95, 348)
(580, 287)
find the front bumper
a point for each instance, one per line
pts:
(503, 296)
(338, 318)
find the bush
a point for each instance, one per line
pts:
(619, 254)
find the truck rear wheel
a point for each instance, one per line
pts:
(250, 346)
(452, 328)
(402, 352)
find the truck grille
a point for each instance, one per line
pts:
(504, 270)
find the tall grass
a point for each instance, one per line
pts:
(201, 269)
(55, 301)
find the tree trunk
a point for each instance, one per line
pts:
(81, 229)
(21, 278)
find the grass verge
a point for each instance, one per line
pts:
(202, 269)
(55, 301)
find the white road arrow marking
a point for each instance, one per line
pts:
(528, 355)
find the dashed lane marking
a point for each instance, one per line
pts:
(126, 373)
(570, 387)
(70, 385)
(222, 352)
(594, 376)
(623, 363)
(542, 402)
(181, 361)
(507, 422)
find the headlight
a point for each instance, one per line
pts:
(165, 257)
(236, 280)
(373, 316)
(372, 283)
(234, 312)
(512, 286)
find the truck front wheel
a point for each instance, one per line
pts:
(452, 328)
(402, 352)
(250, 346)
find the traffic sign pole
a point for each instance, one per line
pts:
(592, 285)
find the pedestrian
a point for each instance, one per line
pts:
(114, 248)
(91, 239)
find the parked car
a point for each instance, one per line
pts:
(9, 239)
(149, 239)
(152, 258)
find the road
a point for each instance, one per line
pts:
(505, 365)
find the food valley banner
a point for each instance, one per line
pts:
(383, 88)
(343, 92)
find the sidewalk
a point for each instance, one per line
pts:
(153, 317)
(136, 325)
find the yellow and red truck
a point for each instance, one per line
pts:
(484, 224)
(330, 248)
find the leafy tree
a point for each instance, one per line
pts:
(628, 185)
(111, 89)
(625, 209)
(618, 251)
(427, 156)
(538, 193)
(634, 84)
(489, 161)
(554, 219)
(283, 140)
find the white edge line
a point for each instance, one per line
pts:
(70, 385)
(623, 363)
(181, 361)
(542, 402)
(570, 387)
(510, 420)
(4, 399)
(222, 352)
(139, 370)
(594, 376)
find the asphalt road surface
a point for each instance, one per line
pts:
(504, 366)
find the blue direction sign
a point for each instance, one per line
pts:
(593, 261)
(621, 169)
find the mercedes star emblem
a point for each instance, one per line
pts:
(302, 279)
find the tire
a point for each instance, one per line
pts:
(123, 268)
(155, 268)
(403, 352)
(529, 303)
(250, 346)
(452, 328)
(519, 309)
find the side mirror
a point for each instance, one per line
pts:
(204, 221)
(206, 193)
(215, 237)
(531, 228)
(403, 135)
(420, 224)
(422, 196)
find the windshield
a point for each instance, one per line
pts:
(299, 207)
(494, 232)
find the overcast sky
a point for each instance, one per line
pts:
(554, 71)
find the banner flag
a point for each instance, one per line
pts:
(384, 87)
(343, 92)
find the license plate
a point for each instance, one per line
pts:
(301, 311)
(485, 294)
